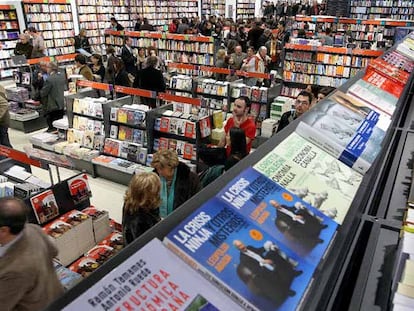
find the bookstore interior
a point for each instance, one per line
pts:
(190, 113)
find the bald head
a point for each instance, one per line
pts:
(13, 214)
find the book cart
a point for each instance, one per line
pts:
(356, 272)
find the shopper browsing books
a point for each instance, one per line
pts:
(38, 43)
(4, 119)
(178, 182)
(141, 205)
(81, 42)
(23, 47)
(83, 68)
(52, 95)
(241, 120)
(28, 279)
(302, 104)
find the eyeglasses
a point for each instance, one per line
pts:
(301, 102)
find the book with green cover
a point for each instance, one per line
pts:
(313, 175)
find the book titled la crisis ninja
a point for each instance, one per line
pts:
(256, 241)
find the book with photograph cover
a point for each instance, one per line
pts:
(44, 206)
(353, 139)
(79, 188)
(132, 280)
(243, 260)
(295, 223)
(313, 175)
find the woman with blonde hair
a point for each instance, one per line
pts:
(178, 183)
(141, 205)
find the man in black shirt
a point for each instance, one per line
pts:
(302, 104)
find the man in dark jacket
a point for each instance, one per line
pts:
(254, 34)
(151, 79)
(4, 119)
(302, 104)
(128, 57)
(52, 95)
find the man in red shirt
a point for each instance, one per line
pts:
(240, 119)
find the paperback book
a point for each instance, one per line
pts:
(353, 139)
(245, 262)
(313, 175)
(283, 215)
(44, 206)
(141, 282)
(79, 188)
(380, 100)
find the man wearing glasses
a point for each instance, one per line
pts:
(302, 104)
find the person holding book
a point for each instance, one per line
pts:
(178, 182)
(302, 104)
(52, 95)
(28, 280)
(240, 120)
(141, 205)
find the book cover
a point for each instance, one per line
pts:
(380, 100)
(88, 139)
(241, 258)
(113, 132)
(164, 124)
(347, 136)
(190, 129)
(122, 115)
(188, 151)
(44, 206)
(383, 81)
(79, 188)
(205, 127)
(313, 175)
(114, 114)
(287, 218)
(114, 240)
(173, 280)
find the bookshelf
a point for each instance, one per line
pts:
(394, 9)
(178, 48)
(325, 66)
(54, 20)
(93, 22)
(245, 9)
(9, 34)
(213, 7)
(361, 30)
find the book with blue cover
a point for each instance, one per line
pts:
(244, 261)
(353, 138)
(295, 223)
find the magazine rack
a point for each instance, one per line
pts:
(356, 272)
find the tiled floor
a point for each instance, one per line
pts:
(106, 195)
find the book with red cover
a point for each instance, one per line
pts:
(79, 188)
(383, 67)
(190, 129)
(165, 124)
(383, 82)
(44, 206)
(114, 240)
